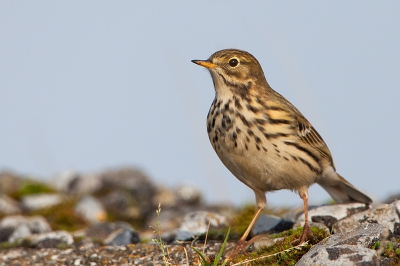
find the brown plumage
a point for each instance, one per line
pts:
(264, 140)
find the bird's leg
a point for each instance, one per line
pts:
(244, 236)
(306, 229)
(307, 233)
(242, 241)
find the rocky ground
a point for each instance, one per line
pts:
(114, 217)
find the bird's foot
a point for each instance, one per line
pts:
(306, 235)
(240, 246)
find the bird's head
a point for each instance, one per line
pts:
(233, 69)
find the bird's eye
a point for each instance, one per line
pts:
(233, 62)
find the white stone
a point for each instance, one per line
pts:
(197, 223)
(348, 248)
(40, 201)
(36, 224)
(21, 231)
(62, 236)
(63, 180)
(338, 211)
(344, 255)
(396, 206)
(91, 209)
(188, 195)
(383, 214)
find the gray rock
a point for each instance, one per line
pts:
(74, 183)
(122, 203)
(122, 237)
(197, 223)
(350, 248)
(188, 195)
(167, 237)
(260, 241)
(116, 234)
(183, 235)
(136, 183)
(330, 214)
(91, 209)
(396, 206)
(342, 255)
(129, 178)
(65, 181)
(265, 223)
(5, 233)
(88, 184)
(36, 224)
(52, 239)
(21, 231)
(14, 227)
(40, 201)
(8, 206)
(270, 223)
(169, 219)
(383, 214)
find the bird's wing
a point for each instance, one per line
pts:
(307, 132)
(309, 135)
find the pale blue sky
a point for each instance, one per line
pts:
(89, 85)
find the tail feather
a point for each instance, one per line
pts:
(341, 190)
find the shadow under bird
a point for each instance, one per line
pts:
(263, 139)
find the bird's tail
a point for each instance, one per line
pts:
(341, 190)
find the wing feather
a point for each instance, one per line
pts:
(306, 131)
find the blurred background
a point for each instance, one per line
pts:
(92, 85)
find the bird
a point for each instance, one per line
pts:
(264, 140)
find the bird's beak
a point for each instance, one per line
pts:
(205, 63)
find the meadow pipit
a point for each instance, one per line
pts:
(264, 140)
